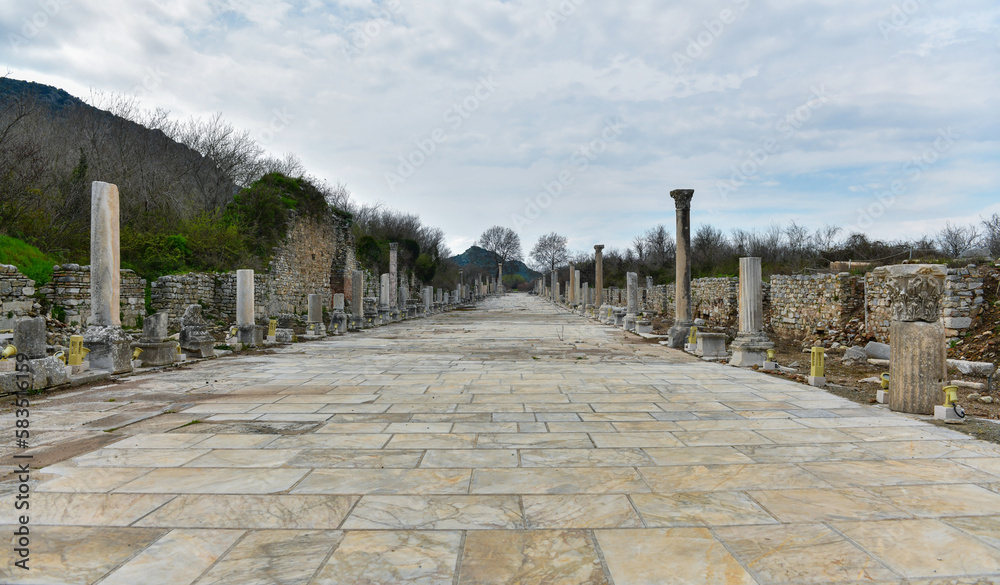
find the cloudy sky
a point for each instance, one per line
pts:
(575, 116)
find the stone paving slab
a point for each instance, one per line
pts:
(516, 443)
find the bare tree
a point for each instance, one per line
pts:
(503, 243)
(991, 235)
(955, 239)
(550, 251)
(825, 238)
(660, 246)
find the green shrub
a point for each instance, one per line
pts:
(31, 261)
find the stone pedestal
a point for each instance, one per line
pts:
(314, 324)
(29, 337)
(947, 414)
(194, 338)
(682, 297)
(751, 344)
(110, 348)
(338, 319)
(711, 345)
(917, 354)
(643, 326)
(157, 349)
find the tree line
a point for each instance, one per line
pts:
(783, 249)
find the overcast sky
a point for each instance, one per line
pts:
(574, 116)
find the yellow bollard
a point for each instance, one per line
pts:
(817, 363)
(950, 395)
(272, 327)
(885, 381)
(136, 353)
(76, 350)
(9, 351)
(61, 356)
(693, 336)
(770, 355)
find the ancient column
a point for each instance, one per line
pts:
(554, 288)
(315, 315)
(110, 348)
(682, 297)
(428, 292)
(584, 295)
(393, 258)
(338, 319)
(632, 310)
(751, 344)
(599, 275)
(358, 299)
(404, 297)
(917, 354)
(248, 333)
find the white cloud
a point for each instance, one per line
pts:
(364, 81)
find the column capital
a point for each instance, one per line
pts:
(598, 247)
(915, 291)
(682, 198)
(393, 246)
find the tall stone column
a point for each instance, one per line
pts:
(110, 348)
(751, 344)
(358, 299)
(632, 298)
(393, 280)
(917, 355)
(584, 296)
(577, 297)
(249, 334)
(570, 288)
(682, 297)
(554, 287)
(599, 276)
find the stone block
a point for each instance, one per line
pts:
(957, 322)
(157, 353)
(29, 337)
(876, 350)
(947, 414)
(110, 348)
(711, 345)
(154, 327)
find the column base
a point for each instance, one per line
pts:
(818, 381)
(679, 334)
(750, 349)
(157, 353)
(251, 335)
(110, 348)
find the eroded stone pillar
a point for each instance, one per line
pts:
(632, 299)
(110, 348)
(682, 297)
(917, 353)
(751, 344)
(358, 299)
(393, 260)
(599, 275)
(315, 315)
(554, 287)
(585, 296)
(248, 334)
(571, 286)
(338, 319)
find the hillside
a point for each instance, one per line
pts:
(480, 258)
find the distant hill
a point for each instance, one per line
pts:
(54, 98)
(479, 257)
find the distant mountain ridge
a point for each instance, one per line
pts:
(480, 258)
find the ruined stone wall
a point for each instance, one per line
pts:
(69, 290)
(961, 305)
(316, 257)
(16, 291)
(801, 303)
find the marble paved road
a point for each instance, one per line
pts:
(516, 443)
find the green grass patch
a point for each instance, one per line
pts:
(31, 261)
